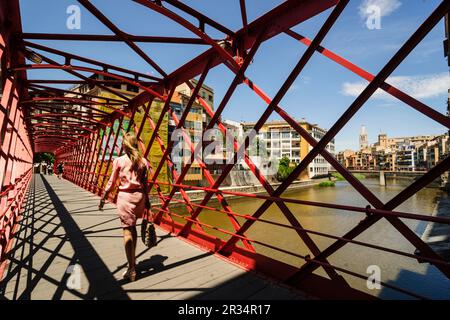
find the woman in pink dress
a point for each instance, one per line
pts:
(131, 169)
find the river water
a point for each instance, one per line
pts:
(396, 270)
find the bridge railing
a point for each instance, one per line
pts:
(12, 199)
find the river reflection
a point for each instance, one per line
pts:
(396, 270)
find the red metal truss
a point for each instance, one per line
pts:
(36, 117)
(16, 157)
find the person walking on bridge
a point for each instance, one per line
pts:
(60, 169)
(132, 170)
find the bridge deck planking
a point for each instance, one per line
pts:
(61, 226)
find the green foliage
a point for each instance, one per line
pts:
(327, 184)
(44, 156)
(284, 169)
(339, 176)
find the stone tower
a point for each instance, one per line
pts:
(363, 139)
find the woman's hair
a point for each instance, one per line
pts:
(130, 145)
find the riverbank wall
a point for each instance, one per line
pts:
(437, 235)
(198, 195)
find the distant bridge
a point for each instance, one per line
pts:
(388, 172)
(398, 174)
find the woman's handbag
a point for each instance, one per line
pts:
(148, 231)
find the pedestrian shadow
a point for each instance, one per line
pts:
(154, 263)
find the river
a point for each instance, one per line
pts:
(397, 270)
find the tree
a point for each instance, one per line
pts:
(44, 156)
(284, 169)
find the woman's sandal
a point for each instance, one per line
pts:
(130, 275)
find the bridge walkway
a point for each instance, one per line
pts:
(61, 227)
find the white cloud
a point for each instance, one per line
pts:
(423, 86)
(386, 7)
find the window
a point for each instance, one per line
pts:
(210, 98)
(132, 88)
(285, 135)
(275, 134)
(195, 170)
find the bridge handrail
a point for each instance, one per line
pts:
(364, 210)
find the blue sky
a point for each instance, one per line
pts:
(324, 89)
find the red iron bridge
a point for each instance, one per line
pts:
(51, 230)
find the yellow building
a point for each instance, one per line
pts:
(194, 124)
(155, 110)
(194, 128)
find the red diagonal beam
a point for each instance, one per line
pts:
(372, 219)
(381, 77)
(170, 163)
(138, 132)
(186, 111)
(363, 190)
(297, 69)
(412, 42)
(122, 35)
(402, 96)
(103, 65)
(282, 18)
(227, 58)
(209, 179)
